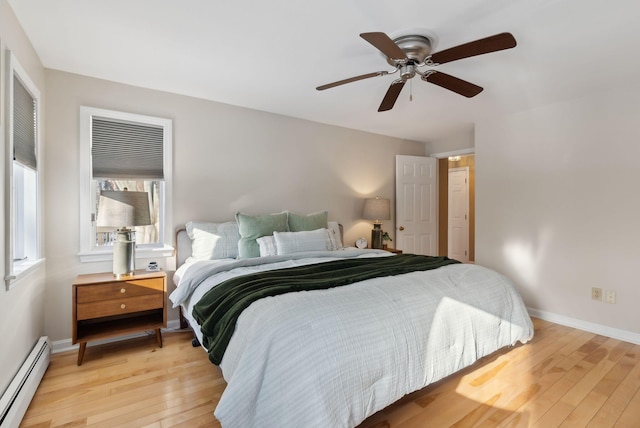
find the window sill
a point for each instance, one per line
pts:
(141, 253)
(21, 270)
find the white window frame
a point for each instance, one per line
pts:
(89, 252)
(16, 270)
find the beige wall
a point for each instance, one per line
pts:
(22, 307)
(557, 205)
(453, 138)
(225, 159)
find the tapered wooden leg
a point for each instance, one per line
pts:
(159, 337)
(83, 346)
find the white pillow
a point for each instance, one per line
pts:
(296, 242)
(334, 235)
(211, 241)
(267, 246)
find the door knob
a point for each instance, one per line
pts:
(401, 228)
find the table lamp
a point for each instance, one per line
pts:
(123, 209)
(377, 209)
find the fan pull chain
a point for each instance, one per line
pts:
(411, 90)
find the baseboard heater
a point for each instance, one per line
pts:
(16, 398)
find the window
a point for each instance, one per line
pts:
(23, 222)
(124, 151)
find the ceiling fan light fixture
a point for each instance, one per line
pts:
(407, 71)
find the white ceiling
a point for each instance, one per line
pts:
(271, 54)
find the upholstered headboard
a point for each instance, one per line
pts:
(183, 244)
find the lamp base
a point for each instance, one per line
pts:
(376, 237)
(124, 253)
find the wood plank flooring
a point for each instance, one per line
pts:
(563, 378)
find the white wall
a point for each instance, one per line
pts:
(226, 159)
(22, 307)
(461, 137)
(558, 205)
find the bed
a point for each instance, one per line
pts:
(331, 357)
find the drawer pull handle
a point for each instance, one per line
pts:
(123, 306)
(123, 290)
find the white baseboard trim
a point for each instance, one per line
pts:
(66, 345)
(614, 333)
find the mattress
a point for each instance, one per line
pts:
(334, 357)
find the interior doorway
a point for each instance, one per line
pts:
(458, 215)
(446, 164)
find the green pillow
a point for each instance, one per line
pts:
(254, 227)
(313, 221)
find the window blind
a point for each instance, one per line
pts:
(24, 126)
(126, 150)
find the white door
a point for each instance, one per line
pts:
(458, 233)
(416, 204)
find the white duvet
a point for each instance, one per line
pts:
(331, 358)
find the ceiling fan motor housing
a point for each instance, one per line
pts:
(416, 47)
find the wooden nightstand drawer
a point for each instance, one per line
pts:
(119, 290)
(119, 306)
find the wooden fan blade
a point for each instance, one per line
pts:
(384, 44)
(351, 79)
(479, 47)
(454, 84)
(392, 95)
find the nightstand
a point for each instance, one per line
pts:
(105, 306)
(393, 250)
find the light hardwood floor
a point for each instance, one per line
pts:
(562, 378)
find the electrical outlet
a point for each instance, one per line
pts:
(596, 293)
(610, 296)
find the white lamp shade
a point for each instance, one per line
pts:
(377, 209)
(123, 208)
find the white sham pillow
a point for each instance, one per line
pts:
(210, 241)
(296, 242)
(267, 246)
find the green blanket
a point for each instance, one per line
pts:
(219, 309)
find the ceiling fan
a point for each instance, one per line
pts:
(411, 52)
